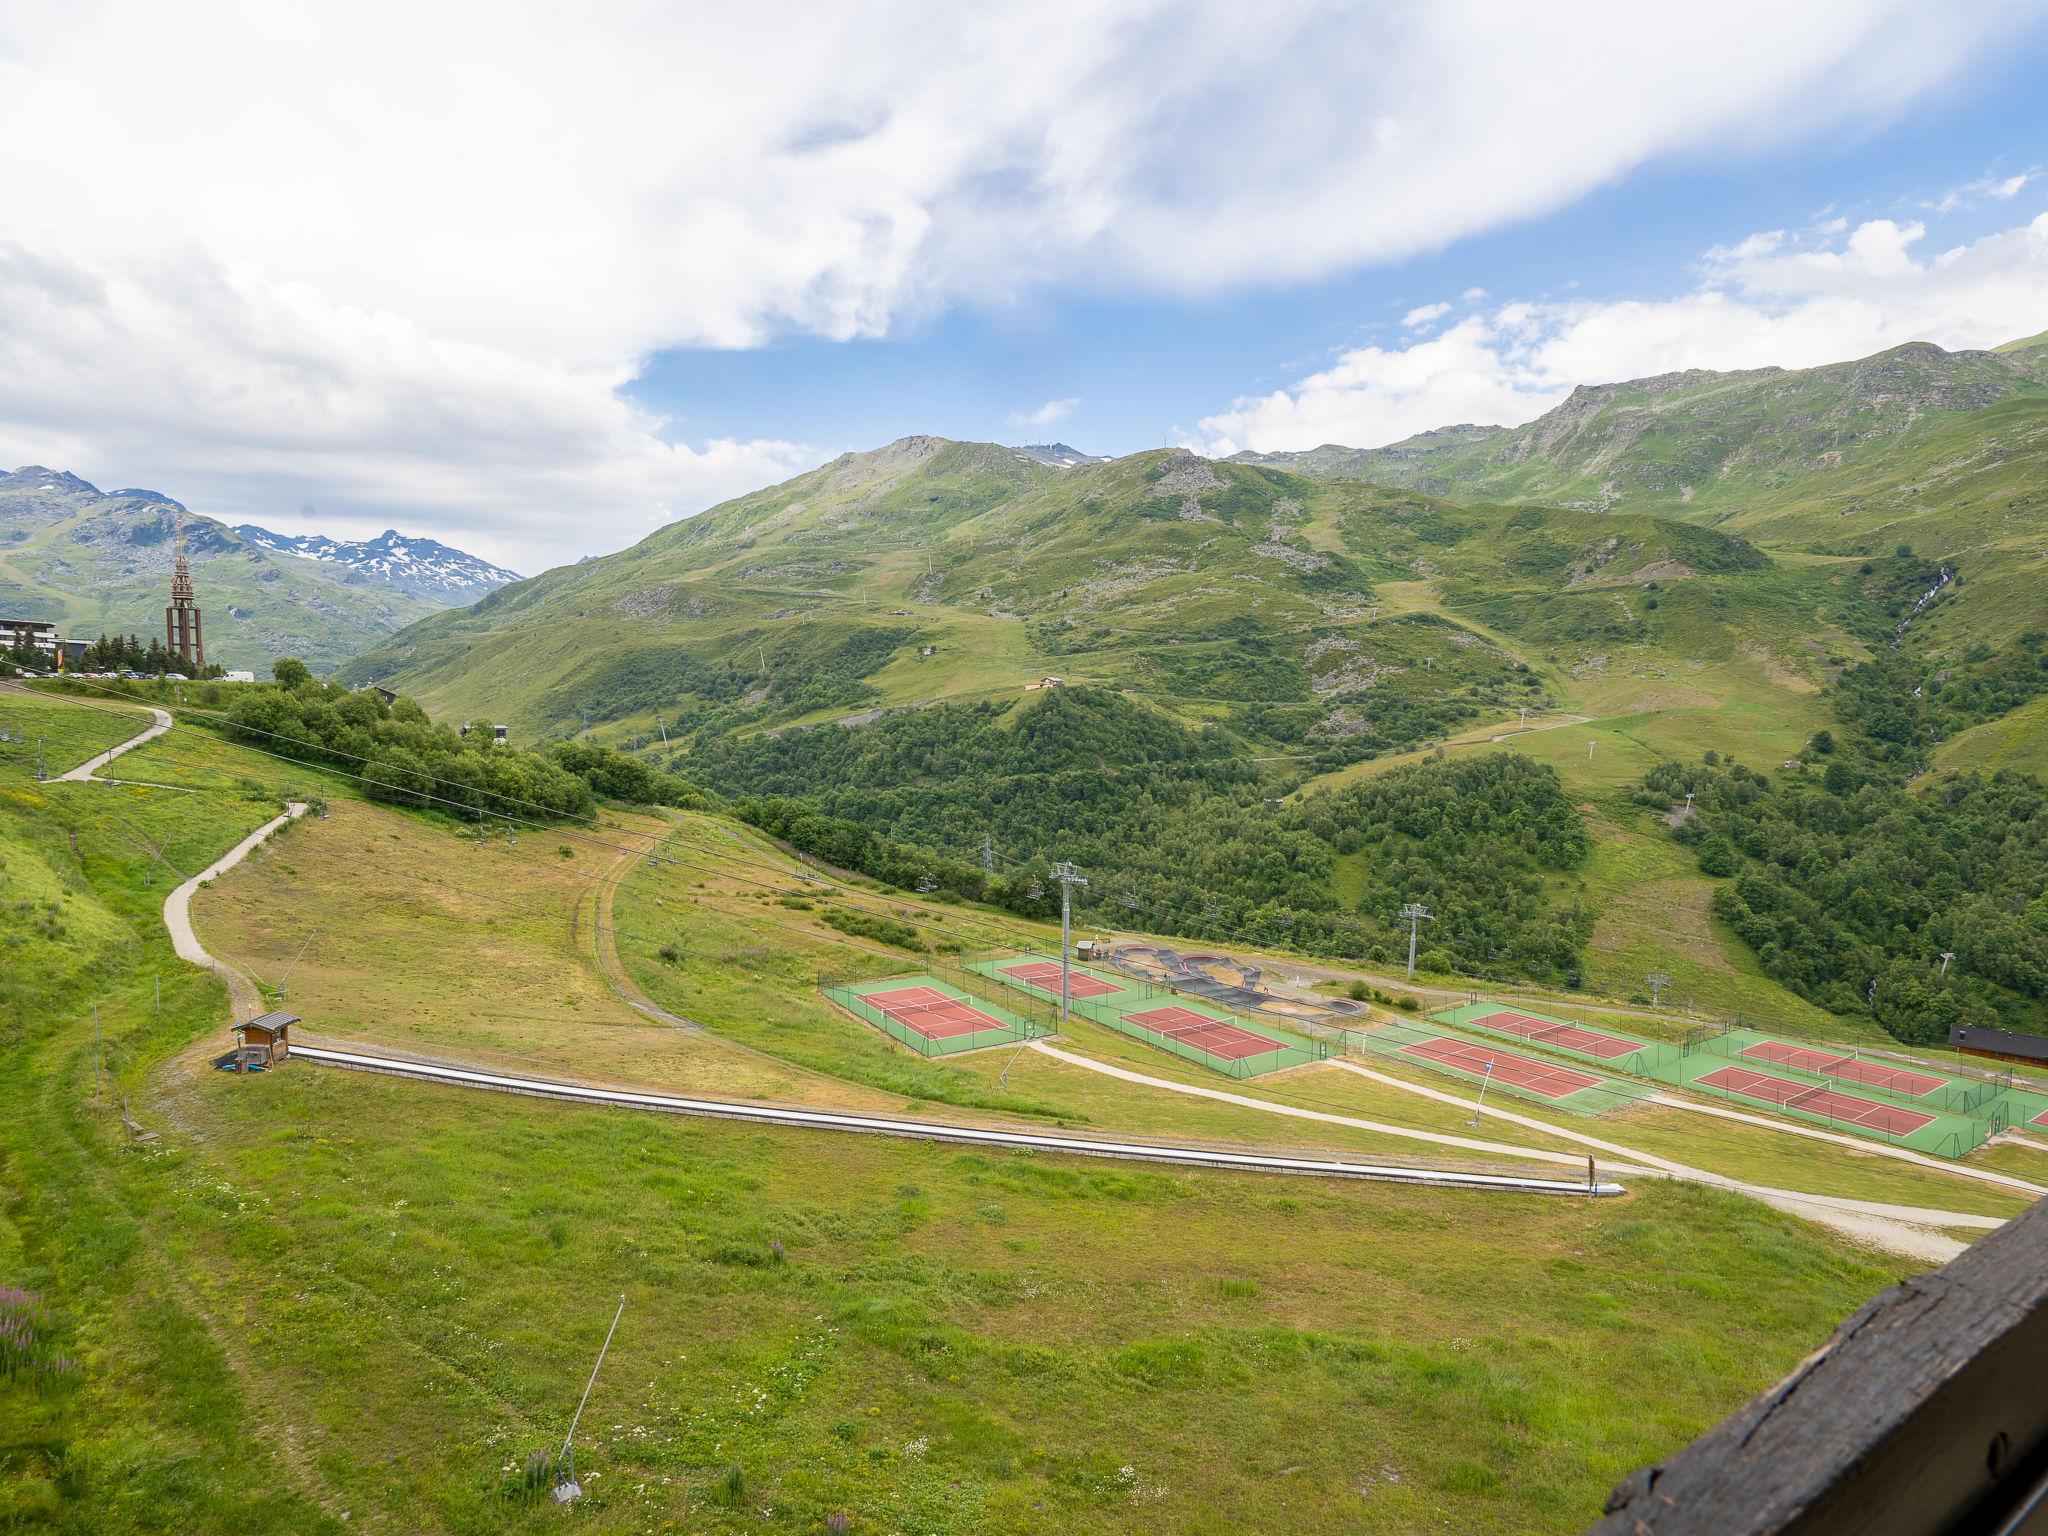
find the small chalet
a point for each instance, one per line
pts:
(259, 1043)
(1999, 1045)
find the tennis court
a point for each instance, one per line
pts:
(1814, 1099)
(1044, 975)
(2040, 1119)
(929, 1011)
(931, 1016)
(1199, 1030)
(1897, 1080)
(1538, 1077)
(1571, 1037)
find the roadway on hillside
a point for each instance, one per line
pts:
(86, 770)
(246, 1001)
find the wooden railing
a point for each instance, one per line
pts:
(1925, 1415)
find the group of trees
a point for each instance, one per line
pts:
(405, 758)
(1480, 841)
(1178, 830)
(1851, 887)
(1901, 705)
(111, 653)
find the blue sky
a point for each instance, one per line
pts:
(616, 267)
(1146, 368)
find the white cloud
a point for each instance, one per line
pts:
(1760, 302)
(1472, 295)
(1049, 414)
(1972, 194)
(398, 259)
(1760, 244)
(1424, 315)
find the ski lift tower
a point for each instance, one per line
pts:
(1417, 914)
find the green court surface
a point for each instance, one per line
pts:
(932, 1017)
(1865, 1093)
(1190, 1028)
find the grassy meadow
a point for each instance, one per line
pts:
(319, 1301)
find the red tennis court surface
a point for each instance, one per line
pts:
(1552, 1082)
(1203, 1032)
(1572, 1037)
(2040, 1119)
(930, 1012)
(1848, 1068)
(1788, 1094)
(1045, 975)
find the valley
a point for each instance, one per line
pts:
(864, 1347)
(843, 730)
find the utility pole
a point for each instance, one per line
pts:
(663, 729)
(1068, 877)
(1657, 982)
(586, 720)
(40, 775)
(1417, 914)
(1479, 1108)
(988, 854)
(1946, 956)
(568, 1488)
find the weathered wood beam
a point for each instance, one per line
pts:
(1926, 1414)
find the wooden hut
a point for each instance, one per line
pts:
(259, 1043)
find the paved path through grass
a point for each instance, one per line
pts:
(1910, 1230)
(84, 771)
(247, 1001)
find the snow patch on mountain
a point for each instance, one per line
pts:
(1058, 455)
(424, 567)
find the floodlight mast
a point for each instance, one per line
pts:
(1417, 914)
(1068, 877)
(563, 1491)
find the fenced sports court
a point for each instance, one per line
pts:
(1849, 1069)
(932, 1017)
(1044, 975)
(1602, 1046)
(1185, 1027)
(1216, 1036)
(1908, 1105)
(1815, 1098)
(1545, 1079)
(1553, 1084)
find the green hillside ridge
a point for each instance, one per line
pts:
(1742, 539)
(94, 562)
(1947, 451)
(933, 570)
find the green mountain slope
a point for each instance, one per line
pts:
(95, 562)
(1226, 594)
(1944, 451)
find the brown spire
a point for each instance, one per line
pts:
(181, 573)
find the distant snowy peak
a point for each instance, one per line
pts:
(1058, 455)
(422, 567)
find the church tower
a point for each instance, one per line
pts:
(181, 620)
